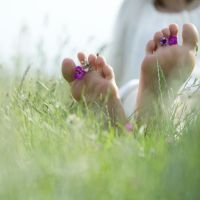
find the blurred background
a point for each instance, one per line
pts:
(41, 33)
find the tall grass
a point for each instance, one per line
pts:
(53, 148)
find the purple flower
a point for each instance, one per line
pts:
(163, 41)
(172, 40)
(129, 126)
(79, 72)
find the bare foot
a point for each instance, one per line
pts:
(166, 67)
(97, 85)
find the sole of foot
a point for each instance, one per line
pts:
(96, 84)
(175, 62)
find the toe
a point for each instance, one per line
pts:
(166, 32)
(92, 60)
(190, 36)
(157, 37)
(151, 47)
(68, 69)
(173, 29)
(104, 68)
(100, 62)
(82, 57)
(108, 72)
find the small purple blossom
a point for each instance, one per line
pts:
(129, 127)
(163, 41)
(79, 72)
(172, 40)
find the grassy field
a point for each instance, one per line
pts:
(51, 148)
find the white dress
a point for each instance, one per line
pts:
(136, 24)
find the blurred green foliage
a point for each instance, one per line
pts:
(53, 148)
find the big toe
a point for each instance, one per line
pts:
(151, 47)
(190, 36)
(68, 69)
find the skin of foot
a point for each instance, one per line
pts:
(97, 85)
(175, 63)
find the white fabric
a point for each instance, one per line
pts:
(137, 22)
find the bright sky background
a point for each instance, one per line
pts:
(54, 21)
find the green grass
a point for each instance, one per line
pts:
(53, 149)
